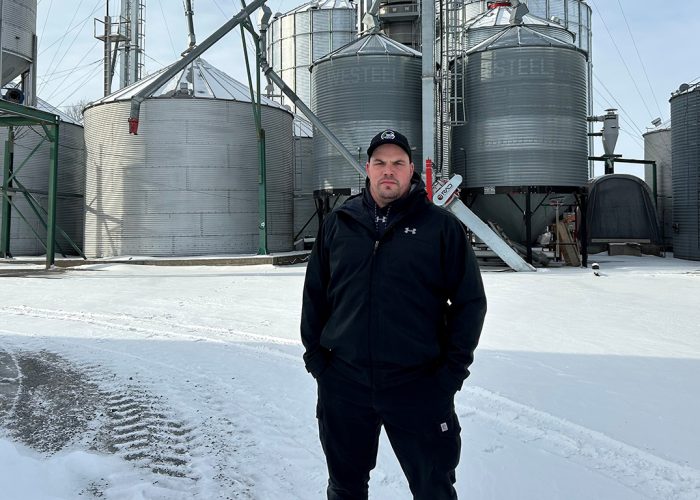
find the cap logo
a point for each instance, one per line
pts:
(388, 134)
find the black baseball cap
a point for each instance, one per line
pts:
(389, 136)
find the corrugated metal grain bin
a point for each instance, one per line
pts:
(371, 84)
(685, 144)
(188, 183)
(18, 31)
(491, 22)
(304, 35)
(305, 220)
(657, 147)
(573, 15)
(526, 104)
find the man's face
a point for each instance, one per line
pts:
(389, 171)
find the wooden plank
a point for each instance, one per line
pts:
(567, 245)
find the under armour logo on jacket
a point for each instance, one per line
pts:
(409, 230)
(381, 219)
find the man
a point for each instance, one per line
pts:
(392, 311)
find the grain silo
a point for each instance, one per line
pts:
(18, 38)
(494, 20)
(188, 183)
(685, 145)
(32, 152)
(573, 15)
(369, 85)
(305, 219)
(526, 128)
(304, 35)
(657, 147)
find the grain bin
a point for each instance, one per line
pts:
(188, 183)
(657, 147)
(491, 22)
(685, 145)
(304, 35)
(369, 85)
(18, 38)
(526, 103)
(573, 15)
(34, 175)
(305, 220)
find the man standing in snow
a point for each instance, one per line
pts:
(392, 312)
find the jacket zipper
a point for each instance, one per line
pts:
(369, 326)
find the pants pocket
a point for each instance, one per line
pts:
(448, 443)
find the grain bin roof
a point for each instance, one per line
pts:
(199, 80)
(372, 44)
(520, 36)
(325, 4)
(45, 106)
(502, 17)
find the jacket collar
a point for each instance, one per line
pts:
(362, 205)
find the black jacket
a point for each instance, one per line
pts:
(386, 305)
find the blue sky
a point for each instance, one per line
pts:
(641, 53)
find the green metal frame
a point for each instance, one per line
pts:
(257, 115)
(15, 115)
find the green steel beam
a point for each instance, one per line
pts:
(262, 167)
(14, 121)
(11, 108)
(16, 170)
(262, 189)
(29, 225)
(42, 215)
(6, 184)
(53, 186)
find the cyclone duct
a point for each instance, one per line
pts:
(369, 85)
(304, 35)
(34, 175)
(657, 147)
(18, 33)
(526, 102)
(685, 144)
(188, 183)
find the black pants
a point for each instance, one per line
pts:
(420, 423)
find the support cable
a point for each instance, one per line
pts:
(624, 62)
(58, 50)
(641, 61)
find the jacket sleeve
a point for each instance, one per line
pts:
(315, 309)
(466, 308)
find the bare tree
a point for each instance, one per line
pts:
(75, 110)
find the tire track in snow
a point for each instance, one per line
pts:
(115, 417)
(635, 468)
(228, 440)
(640, 470)
(10, 384)
(127, 323)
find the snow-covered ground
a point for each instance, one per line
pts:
(121, 381)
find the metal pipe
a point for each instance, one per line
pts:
(274, 78)
(428, 77)
(267, 70)
(189, 13)
(2, 22)
(171, 71)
